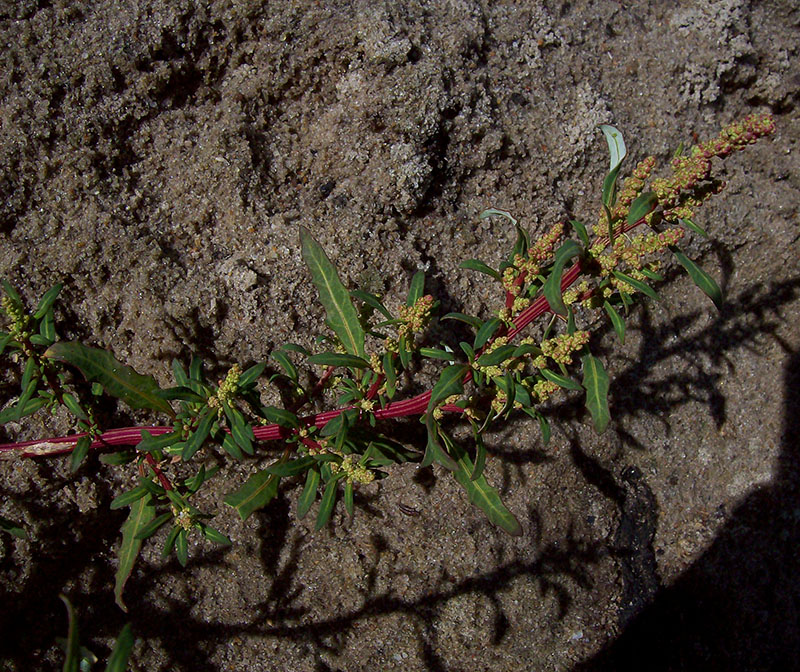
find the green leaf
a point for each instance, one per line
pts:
(416, 288)
(255, 494)
(561, 381)
(339, 359)
(120, 381)
(47, 327)
(198, 436)
(21, 410)
(581, 229)
(480, 454)
(142, 512)
(552, 286)
(152, 527)
(595, 382)
(73, 406)
(118, 458)
(283, 359)
(702, 279)
(251, 375)
(473, 322)
(617, 151)
(241, 432)
(544, 425)
(72, 659)
(435, 353)
(643, 205)
(497, 356)
(491, 212)
(327, 503)
(309, 493)
(118, 660)
(433, 450)
(46, 301)
(450, 382)
(292, 467)
(79, 452)
(372, 301)
(11, 292)
(342, 314)
(689, 224)
(280, 417)
(616, 320)
(212, 534)
(149, 443)
(169, 544)
(644, 288)
(482, 495)
(477, 265)
(12, 528)
(391, 375)
(129, 497)
(486, 331)
(348, 498)
(182, 547)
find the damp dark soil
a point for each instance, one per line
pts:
(159, 157)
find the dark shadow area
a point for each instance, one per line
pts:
(738, 606)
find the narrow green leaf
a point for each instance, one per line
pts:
(73, 406)
(119, 458)
(11, 292)
(390, 373)
(118, 660)
(142, 512)
(327, 503)
(12, 528)
(477, 265)
(616, 320)
(182, 547)
(581, 229)
(486, 331)
(473, 322)
(46, 301)
(482, 495)
(480, 454)
(169, 544)
(342, 314)
(434, 452)
(372, 301)
(47, 327)
(497, 356)
(348, 498)
(79, 453)
(129, 497)
(241, 432)
(72, 659)
(21, 410)
(280, 417)
(436, 353)
(644, 288)
(251, 375)
(292, 467)
(213, 534)
(689, 224)
(552, 286)
(450, 382)
(149, 443)
(416, 288)
(198, 437)
(403, 352)
(617, 151)
(702, 279)
(339, 359)
(286, 364)
(309, 493)
(151, 528)
(491, 212)
(255, 494)
(544, 425)
(643, 205)
(595, 382)
(120, 381)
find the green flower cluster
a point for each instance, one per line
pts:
(354, 472)
(561, 348)
(415, 318)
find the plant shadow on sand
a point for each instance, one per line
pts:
(735, 608)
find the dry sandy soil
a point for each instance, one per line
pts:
(158, 158)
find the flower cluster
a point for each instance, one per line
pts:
(354, 472)
(227, 389)
(20, 321)
(561, 348)
(415, 318)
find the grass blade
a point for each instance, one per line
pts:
(72, 660)
(118, 380)
(142, 512)
(342, 314)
